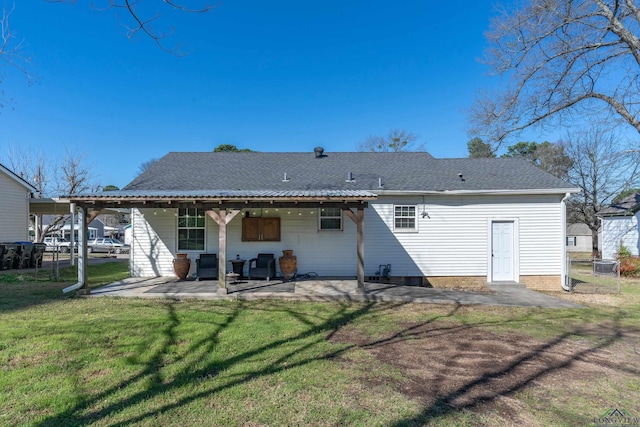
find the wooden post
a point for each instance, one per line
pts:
(358, 219)
(222, 219)
(222, 255)
(360, 239)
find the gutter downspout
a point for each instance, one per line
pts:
(565, 286)
(82, 253)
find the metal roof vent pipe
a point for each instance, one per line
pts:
(319, 152)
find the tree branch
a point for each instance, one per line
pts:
(142, 23)
(560, 56)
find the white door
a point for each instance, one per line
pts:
(502, 251)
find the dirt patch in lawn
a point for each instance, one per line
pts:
(451, 367)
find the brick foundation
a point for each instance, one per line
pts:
(542, 283)
(457, 282)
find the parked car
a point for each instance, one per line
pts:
(57, 243)
(105, 244)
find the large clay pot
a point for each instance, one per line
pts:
(181, 266)
(288, 264)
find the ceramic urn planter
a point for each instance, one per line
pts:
(181, 266)
(288, 264)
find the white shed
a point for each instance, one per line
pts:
(620, 226)
(14, 206)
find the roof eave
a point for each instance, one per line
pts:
(628, 212)
(562, 191)
(18, 179)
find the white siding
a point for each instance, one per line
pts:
(451, 241)
(14, 210)
(153, 242)
(583, 244)
(327, 253)
(620, 229)
(453, 238)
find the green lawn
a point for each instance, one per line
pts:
(68, 361)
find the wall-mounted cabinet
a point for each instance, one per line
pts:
(260, 229)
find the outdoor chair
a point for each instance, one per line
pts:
(264, 266)
(207, 266)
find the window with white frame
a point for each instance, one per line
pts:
(404, 218)
(330, 219)
(191, 229)
(572, 241)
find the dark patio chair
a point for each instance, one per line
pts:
(207, 266)
(264, 266)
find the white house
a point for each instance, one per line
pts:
(421, 219)
(620, 226)
(579, 238)
(14, 206)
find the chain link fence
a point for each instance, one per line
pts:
(593, 275)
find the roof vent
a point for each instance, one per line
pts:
(319, 152)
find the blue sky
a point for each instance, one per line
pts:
(265, 75)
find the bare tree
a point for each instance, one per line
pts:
(142, 21)
(11, 52)
(146, 165)
(32, 166)
(601, 170)
(396, 140)
(75, 175)
(52, 178)
(559, 60)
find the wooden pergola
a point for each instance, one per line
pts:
(221, 208)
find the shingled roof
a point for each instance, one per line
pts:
(12, 175)
(627, 206)
(363, 173)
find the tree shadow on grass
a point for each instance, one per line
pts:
(454, 384)
(20, 295)
(21, 290)
(313, 333)
(315, 329)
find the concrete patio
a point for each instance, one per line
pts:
(325, 289)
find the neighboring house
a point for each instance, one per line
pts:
(620, 226)
(14, 206)
(436, 221)
(579, 238)
(64, 229)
